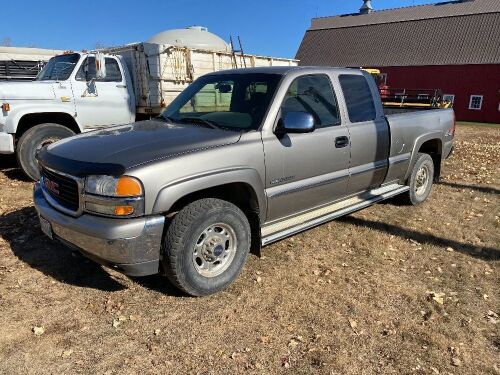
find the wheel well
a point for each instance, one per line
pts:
(433, 147)
(28, 121)
(241, 195)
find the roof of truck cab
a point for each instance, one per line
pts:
(278, 70)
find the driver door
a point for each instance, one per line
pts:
(103, 102)
(307, 170)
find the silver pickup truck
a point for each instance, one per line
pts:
(240, 159)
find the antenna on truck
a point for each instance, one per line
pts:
(239, 53)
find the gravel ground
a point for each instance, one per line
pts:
(392, 289)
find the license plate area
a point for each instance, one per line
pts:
(46, 227)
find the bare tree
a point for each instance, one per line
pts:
(6, 41)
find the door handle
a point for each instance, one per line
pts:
(341, 142)
(121, 86)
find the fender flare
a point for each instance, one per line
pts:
(12, 122)
(419, 141)
(171, 193)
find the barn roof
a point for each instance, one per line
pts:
(447, 33)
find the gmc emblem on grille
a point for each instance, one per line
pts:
(51, 185)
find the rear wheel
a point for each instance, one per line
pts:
(206, 246)
(33, 140)
(421, 179)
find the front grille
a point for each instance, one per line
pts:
(63, 189)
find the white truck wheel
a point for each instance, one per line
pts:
(33, 140)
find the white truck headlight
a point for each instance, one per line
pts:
(114, 196)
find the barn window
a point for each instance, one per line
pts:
(476, 102)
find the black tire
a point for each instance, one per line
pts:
(32, 140)
(419, 191)
(181, 262)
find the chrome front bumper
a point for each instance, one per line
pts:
(131, 246)
(6, 143)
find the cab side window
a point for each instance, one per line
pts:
(358, 97)
(113, 73)
(313, 94)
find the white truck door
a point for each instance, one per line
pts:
(102, 102)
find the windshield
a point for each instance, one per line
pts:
(58, 68)
(231, 101)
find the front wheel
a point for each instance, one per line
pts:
(206, 246)
(33, 140)
(420, 181)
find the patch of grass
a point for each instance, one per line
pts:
(353, 296)
(488, 124)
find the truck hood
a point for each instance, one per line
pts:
(26, 90)
(114, 150)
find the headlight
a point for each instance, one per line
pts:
(112, 196)
(109, 186)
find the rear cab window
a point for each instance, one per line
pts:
(313, 94)
(358, 97)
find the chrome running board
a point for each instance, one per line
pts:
(287, 227)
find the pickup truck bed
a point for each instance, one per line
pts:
(421, 127)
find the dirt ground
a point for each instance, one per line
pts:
(391, 289)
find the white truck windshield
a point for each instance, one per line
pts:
(59, 68)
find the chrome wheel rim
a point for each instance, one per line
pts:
(421, 180)
(214, 250)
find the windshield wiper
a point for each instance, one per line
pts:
(166, 119)
(199, 121)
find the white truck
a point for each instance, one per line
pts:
(73, 94)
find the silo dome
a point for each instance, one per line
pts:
(196, 37)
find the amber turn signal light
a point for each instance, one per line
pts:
(128, 187)
(6, 107)
(124, 210)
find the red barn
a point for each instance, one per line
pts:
(453, 46)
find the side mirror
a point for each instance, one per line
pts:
(297, 122)
(100, 66)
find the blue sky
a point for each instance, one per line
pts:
(271, 27)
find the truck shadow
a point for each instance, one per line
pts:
(160, 284)
(481, 189)
(21, 230)
(485, 253)
(8, 165)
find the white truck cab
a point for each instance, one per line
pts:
(67, 97)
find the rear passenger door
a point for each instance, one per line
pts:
(369, 134)
(307, 170)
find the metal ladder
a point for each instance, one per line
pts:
(237, 53)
